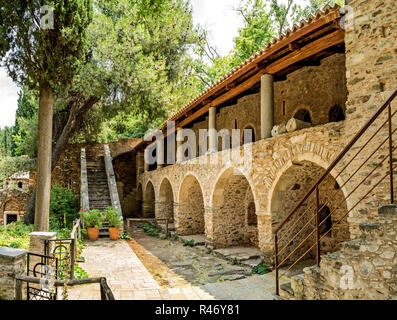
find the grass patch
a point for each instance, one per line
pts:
(15, 235)
(188, 243)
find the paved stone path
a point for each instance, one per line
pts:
(126, 276)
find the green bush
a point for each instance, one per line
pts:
(64, 207)
(260, 268)
(92, 218)
(112, 217)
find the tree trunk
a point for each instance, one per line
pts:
(75, 119)
(44, 148)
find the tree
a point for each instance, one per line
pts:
(137, 66)
(42, 44)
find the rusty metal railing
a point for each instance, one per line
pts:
(310, 203)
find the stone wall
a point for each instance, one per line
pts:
(316, 89)
(364, 268)
(12, 262)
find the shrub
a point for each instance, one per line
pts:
(260, 268)
(64, 206)
(112, 217)
(124, 236)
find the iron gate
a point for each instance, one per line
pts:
(45, 267)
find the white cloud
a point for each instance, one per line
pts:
(8, 99)
(219, 18)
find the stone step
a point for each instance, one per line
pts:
(286, 291)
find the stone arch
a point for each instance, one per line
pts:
(165, 203)
(232, 204)
(290, 187)
(149, 197)
(189, 217)
(11, 209)
(11, 204)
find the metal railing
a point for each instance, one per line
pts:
(309, 228)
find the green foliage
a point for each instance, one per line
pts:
(151, 229)
(125, 236)
(79, 272)
(10, 165)
(189, 243)
(234, 261)
(36, 55)
(64, 205)
(112, 217)
(15, 235)
(92, 218)
(260, 268)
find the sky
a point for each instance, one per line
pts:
(217, 16)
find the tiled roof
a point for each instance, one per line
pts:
(255, 58)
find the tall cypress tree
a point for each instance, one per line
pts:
(43, 44)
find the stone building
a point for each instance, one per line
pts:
(20, 180)
(301, 188)
(303, 98)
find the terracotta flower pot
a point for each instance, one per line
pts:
(114, 233)
(93, 233)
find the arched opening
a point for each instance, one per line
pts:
(250, 137)
(148, 209)
(303, 115)
(165, 205)
(234, 211)
(19, 184)
(189, 218)
(332, 203)
(336, 114)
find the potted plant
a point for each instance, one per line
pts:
(93, 221)
(113, 219)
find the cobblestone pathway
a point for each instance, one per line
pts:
(126, 276)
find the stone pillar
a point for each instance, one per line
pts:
(212, 134)
(267, 106)
(160, 153)
(179, 141)
(12, 262)
(37, 244)
(146, 159)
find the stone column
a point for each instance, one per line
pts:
(179, 141)
(12, 262)
(212, 134)
(267, 106)
(160, 153)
